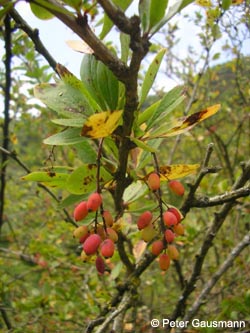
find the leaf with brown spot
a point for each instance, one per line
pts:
(101, 124)
(48, 178)
(175, 171)
(83, 179)
(182, 125)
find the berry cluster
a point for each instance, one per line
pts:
(170, 223)
(98, 239)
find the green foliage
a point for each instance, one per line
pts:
(150, 76)
(101, 83)
(69, 97)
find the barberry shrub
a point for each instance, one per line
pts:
(120, 196)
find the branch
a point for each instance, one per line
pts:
(6, 123)
(193, 187)
(219, 218)
(19, 255)
(123, 306)
(34, 36)
(210, 284)
(46, 189)
(80, 26)
(130, 284)
(220, 199)
(5, 318)
(117, 16)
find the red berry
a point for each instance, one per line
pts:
(108, 219)
(107, 248)
(80, 211)
(144, 220)
(169, 219)
(94, 202)
(176, 187)
(157, 247)
(153, 181)
(169, 235)
(164, 261)
(176, 212)
(100, 265)
(91, 244)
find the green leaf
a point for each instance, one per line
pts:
(226, 4)
(107, 23)
(51, 8)
(147, 113)
(176, 7)
(83, 179)
(107, 85)
(40, 12)
(157, 11)
(68, 97)
(68, 136)
(168, 103)
(101, 83)
(85, 151)
(143, 145)
(144, 13)
(73, 122)
(125, 41)
(48, 178)
(146, 157)
(71, 200)
(135, 191)
(150, 76)
(116, 271)
(76, 4)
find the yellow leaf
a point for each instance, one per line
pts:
(101, 124)
(13, 139)
(187, 123)
(175, 171)
(204, 3)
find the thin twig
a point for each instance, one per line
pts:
(212, 231)
(14, 156)
(6, 123)
(214, 279)
(202, 202)
(34, 36)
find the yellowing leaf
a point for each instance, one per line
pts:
(79, 46)
(204, 3)
(185, 124)
(101, 124)
(175, 171)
